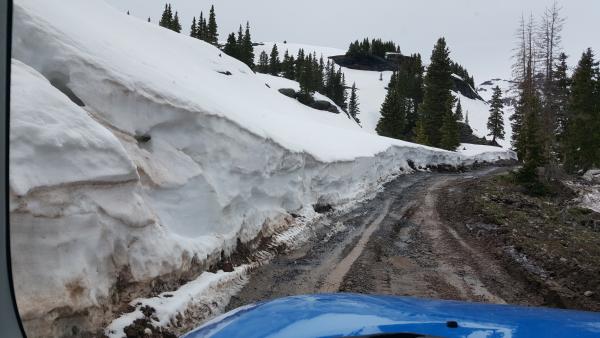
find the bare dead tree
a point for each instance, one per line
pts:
(549, 38)
(549, 47)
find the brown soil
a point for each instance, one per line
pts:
(546, 242)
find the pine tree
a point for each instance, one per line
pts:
(393, 115)
(274, 64)
(458, 115)
(201, 27)
(399, 110)
(231, 47)
(560, 102)
(194, 28)
(212, 35)
(287, 66)
(583, 127)
(421, 132)
(166, 18)
(353, 105)
(561, 92)
(343, 95)
(438, 100)
(449, 132)
(263, 62)
(246, 48)
(532, 146)
(175, 25)
(495, 122)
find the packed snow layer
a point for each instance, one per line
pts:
(58, 144)
(160, 160)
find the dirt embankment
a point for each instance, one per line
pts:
(547, 243)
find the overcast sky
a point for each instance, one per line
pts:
(479, 32)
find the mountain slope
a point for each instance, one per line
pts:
(372, 91)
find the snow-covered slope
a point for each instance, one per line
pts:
(160, 162)
(371, 91)
(479, 112)
(277, 83)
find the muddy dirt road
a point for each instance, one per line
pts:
(393, 244)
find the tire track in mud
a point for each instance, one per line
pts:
(335, 277)
(392, 244)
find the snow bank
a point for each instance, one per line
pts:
(53, 143)
(152, 162)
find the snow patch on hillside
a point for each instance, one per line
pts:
(277, 83)
(370, 90)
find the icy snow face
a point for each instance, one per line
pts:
(170, 161)
(56, 143)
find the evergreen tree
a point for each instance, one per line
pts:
(201, 33)
(342, 97)
(449, 132)
(414, 79)
(231, 47)
(421, 132)
(583, 127)
(263, 62)
(353, 104)
(532, 146)
(287, 66)
(393, 115)
(495, 122)
(274, 64)
(240, 36)
(458, 115)
(246, 48)
(305, 79)
(166, 17)
(212, 35)
(560, 100)
(194, 28)
(438, 100)
(175, 25)
(399, 110)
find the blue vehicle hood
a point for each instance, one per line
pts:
(351, 315)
